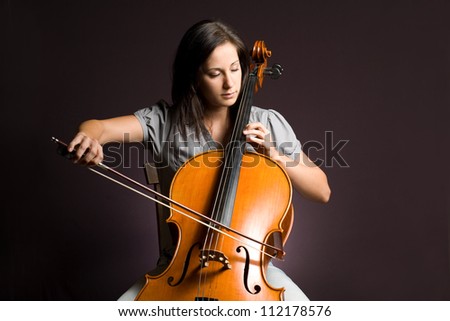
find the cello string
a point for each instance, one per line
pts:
(215, 214)
(227, 172)
(228, 158)
(229, 169)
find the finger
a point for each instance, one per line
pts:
(255, 140)
(256, 129)
(258, 126)
(264, 136)
(82, 149)
(97, 159)
(88, 156)
(94, 156)
(75, 141)
(253, 131)
(252, 134)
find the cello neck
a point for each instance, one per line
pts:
(226, 190)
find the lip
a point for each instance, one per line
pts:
(229, 95)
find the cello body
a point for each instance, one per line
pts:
(208, 265)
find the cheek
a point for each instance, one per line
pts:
(209, 90)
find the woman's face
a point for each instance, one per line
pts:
(220, 77)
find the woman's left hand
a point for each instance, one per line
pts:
(259, 136)
(308, 179)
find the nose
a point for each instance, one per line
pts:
(228, 81)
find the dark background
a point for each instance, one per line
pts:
(374, 73)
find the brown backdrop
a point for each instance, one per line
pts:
(372, 75)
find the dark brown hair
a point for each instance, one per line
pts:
(197, 44)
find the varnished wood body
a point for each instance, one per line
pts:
(262, 207)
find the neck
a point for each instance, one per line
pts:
(217, 113)
(218, 123)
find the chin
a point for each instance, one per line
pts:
(230, 102)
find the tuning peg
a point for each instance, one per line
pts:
(274, 72)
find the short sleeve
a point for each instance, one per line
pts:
(153, 120)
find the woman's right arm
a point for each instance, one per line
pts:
(92, 134)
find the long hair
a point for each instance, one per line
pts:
(197, 44)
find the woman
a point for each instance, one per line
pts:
(210, 67)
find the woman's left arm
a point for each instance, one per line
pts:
(306, 177)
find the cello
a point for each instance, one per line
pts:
(244, 193)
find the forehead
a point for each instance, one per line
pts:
(223, 55)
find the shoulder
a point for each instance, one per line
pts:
(268, 117)
(155, 120)
(155, 113)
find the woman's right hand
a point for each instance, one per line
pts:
(93, 133)
(87, 151)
